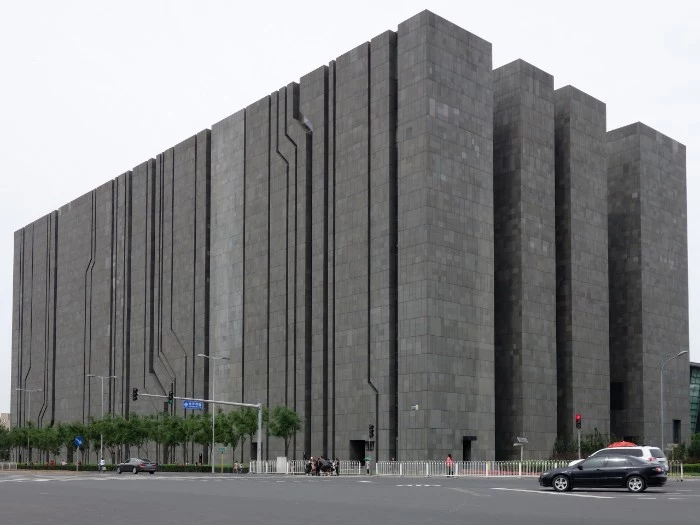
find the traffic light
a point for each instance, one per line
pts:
(135, 394)
(170, 397)
(578, 421)
(371, 431)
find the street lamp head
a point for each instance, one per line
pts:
(682, 353)
(90, 375)
(216, 357)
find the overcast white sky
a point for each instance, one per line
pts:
(91, 89)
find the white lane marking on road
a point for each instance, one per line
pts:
(684, 490)
(364, 481)
(645, 498)
(554, 493)
(677, 498)
(470, 492)
(280, 482)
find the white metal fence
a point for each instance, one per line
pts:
(675, 470)
(298, 466)
(466, 468)
(483, 469)
(8, 466)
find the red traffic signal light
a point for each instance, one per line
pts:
(578, 420)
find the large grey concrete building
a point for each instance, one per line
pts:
(405, 238)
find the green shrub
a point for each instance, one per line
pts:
(44, 466)
(228, 469)
(691, 469)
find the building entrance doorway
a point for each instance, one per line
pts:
(467, 447)
(357, 450)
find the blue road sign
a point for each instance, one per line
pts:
(192, 405)
(78, 441)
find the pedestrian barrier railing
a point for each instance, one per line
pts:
(675, 470)
(466, 468)
(298, 466)
(8, 466)
(485, 469)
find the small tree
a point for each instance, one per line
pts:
(190, 426)
(227, 432)
(246, 423)
(5, 443)
(694, 448)
(201, 431)
(68, 432)
(173, 436)
(284, 423)
(136, 433)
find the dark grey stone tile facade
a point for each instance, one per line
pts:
(445, 235)
(390, 242)
(648, 283)
(583, 365)
(525, 262)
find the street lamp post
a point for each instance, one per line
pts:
(662, 391)
(102, 381)
(29, 410)
(213, 396)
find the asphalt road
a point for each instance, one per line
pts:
(204, 499)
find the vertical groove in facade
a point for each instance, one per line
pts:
(325, 372)
(31, 318)
(267, 298)
(114, 192)
(54, 303)
(243, 254)
(393, 256)
(374, 418)
(207, 265)
(17, 347)
(126, 372)
(332, 264)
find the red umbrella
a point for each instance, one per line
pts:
(621, 444)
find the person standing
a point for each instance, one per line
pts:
(449, 462)
(102, 465)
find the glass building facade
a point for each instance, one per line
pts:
(694, 397)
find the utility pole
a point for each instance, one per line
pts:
(213, 396)
(29, 411)
(102, 381)
(679, 354)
